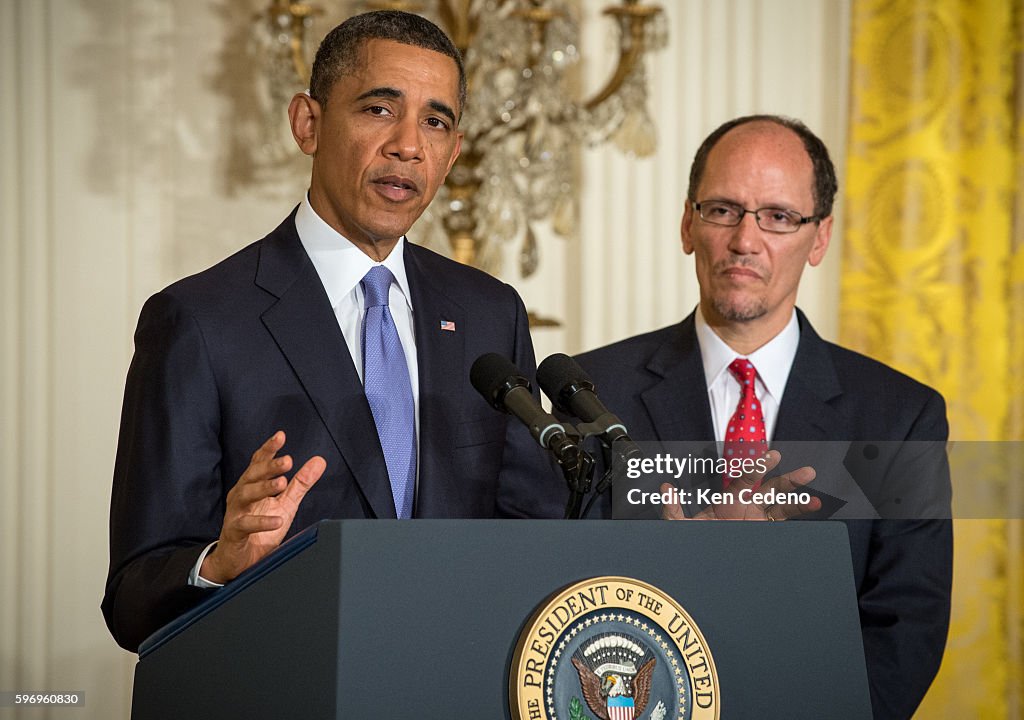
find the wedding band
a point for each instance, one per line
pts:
(768, 513)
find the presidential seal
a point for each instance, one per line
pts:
(612, 648)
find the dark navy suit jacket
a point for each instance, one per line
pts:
(226, 357)
(902, 568)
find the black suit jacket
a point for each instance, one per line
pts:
(903, 568)
(226, 357)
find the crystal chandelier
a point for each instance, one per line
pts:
(522, 124)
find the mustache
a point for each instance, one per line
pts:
(740, 262)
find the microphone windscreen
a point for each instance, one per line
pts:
(490, 373)
(556, 373)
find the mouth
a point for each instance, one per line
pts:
(738, 272)
(396, 187)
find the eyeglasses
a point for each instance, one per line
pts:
(770, 219)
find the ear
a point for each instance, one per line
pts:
(821, 240)
(685, 227)
(455, 152)
(304, 117)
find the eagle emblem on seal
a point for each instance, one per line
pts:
(615, 675)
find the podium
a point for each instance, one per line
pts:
(404, 619)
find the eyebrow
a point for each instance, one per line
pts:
(729, 201)
(442, 108)
(396, 94)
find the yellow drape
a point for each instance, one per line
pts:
(933, 279)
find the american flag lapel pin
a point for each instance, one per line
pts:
(448, 326)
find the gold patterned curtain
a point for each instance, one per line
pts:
(933, 279)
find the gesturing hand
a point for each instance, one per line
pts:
(733, 508)
(260, 509)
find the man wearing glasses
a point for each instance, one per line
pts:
(747, 369)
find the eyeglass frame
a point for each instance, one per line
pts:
(803, 220)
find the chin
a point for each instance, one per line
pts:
(737, 310)
(394, 226)
(390, 231)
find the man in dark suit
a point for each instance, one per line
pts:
(759, 208)
(332, 334)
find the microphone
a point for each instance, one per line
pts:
(572, 392)
(505, 389)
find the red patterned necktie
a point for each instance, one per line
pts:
(745, 435)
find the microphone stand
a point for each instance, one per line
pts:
(608, 455)
(604, 483)
(577, 468)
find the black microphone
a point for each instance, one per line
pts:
(572, 392)
(504, 388)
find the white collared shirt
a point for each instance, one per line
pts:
(341, 266)
(773, 361)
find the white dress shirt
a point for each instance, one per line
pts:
(341, 266)
(773, 361)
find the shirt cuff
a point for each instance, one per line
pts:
(194, 578)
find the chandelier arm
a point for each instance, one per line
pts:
(459, 22)
(298, 12)
(628, 61)
(298, 61)
(446, 14)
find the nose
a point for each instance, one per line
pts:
(405, 142)
(747, 237)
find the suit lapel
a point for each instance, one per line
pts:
(805, 412)
(678, 402)
(440, 354)
(303, 325)
(809, 424)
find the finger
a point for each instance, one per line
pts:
(772, 458)
(755, 478)
(268, 449)
(252, 492)
(304, 479)
(258, 471)
(245, 525)
(787, 483)
(791, 480)
(253, 485)
(671, 511)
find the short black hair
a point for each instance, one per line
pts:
(825, 184)
(339, 53)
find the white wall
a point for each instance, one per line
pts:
(122, 170)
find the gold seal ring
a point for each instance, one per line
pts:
(768, 513)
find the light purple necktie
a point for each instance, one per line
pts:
(388, 390)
